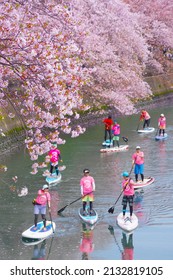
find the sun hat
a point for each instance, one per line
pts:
(86, 170)
(138, 147)
(162, 115)
(125, 174)
(45, 187)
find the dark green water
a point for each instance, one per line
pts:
(153, 237)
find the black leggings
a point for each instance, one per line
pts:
(124, 210)
(108, 131)
(146, 123)
(85, 203)
(56, 169)
(161, 131)
(142, 177)
(43, 218)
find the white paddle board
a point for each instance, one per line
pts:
(145, 182)
(88, 218)
(39, 233)
(115, 149)
(161, 137)
(31, 241)
(54, 179)
(127, 224)
(146, 130)
(107, 143)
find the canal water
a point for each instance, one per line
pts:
(152, 240)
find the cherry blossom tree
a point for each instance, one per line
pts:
(56, 56)
(121, 41)
(117, 50)
(39, 54)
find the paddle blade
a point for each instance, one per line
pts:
(125, 139)
(61, 210)
(111, 210)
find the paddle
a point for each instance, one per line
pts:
(111, 210)
(50, 215)
(138, 126)
(111, 229)
(51, 221)
(62, 209)
(157, 132)
(125, 139)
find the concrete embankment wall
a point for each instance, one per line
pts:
(161, 83)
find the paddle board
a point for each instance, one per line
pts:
(127, 224)
(115, 149)
(31, 241)
(39, 233)
(88, 218)
(145, 182)
(107, 143)
(54, 178)
(146, 130)
(161, 137)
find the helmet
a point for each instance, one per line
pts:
(86, 170)
(138, 147)
(162, 115)
(125, 174)
(45, 187)
(54, 145)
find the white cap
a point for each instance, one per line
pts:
(138, 147)
(162, 115)
(45, 187)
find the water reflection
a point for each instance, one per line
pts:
(137, 206)
(39, 247)
(86, 245)
(127, 243)
(39, 251)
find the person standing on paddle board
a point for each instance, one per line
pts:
(128, 193)
(116, 133)
(162, 124)
(146, 117)
(108, 126)
(87, 184)
(138, 161)
(42, 200)
(54, 155)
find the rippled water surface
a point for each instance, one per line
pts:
(72, 240)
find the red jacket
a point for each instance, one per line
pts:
(108, 123)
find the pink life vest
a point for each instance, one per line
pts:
(116, 129)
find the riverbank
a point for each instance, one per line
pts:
(15, 136)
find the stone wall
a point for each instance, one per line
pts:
(160, 83)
